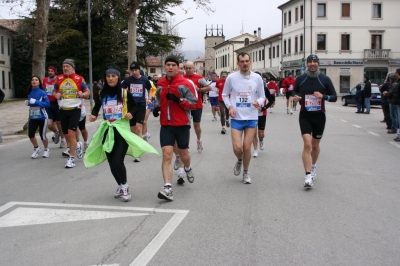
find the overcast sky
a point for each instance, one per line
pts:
(232, 14)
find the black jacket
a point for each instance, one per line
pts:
(367, 89)
(2, 95)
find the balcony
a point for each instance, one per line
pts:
(377, 53)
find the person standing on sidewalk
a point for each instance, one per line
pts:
(394, 102)
(243, 94)
(69, 90)
(312, 89)
(38, 102)
(175, 97)
(367, 94)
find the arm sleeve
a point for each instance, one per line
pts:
(330, 91)
(44, 102)
(226, 92)
(158, 99)
(97, 105)
(261, 93)
(269, 97)
(190, 100)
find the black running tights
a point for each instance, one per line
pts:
(116, 158)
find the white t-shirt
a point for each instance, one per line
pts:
(214, 90)
(243, 92)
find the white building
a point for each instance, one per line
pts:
(351, 38)
(7, 30)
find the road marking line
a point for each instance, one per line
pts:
(343, 120)
(373, 133)
(395, 144)
(356, 126)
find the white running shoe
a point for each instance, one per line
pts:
(314, 171)
(36, 152)
(46, 153)
(237, 168)
(137, 160)
(214, 119)
(176, 163)
(126, 193)
(261, 144)
(65, 153)
(85, 146)
(63, 143)
(145, 138)
(190, 175)
(291, 111)
(271, 110)
(166, 193)
(148, 135)
(118, 193)
(246, 179)
(199, 146)
(56, 137)
(180, 180)
(70, 163)
(223, 130)
(255, 154)
(79, 150)
(308, 182)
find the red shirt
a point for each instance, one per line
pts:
(196, 78)
(220, 86)
(288, 84)
(48, 87)
(273, 88)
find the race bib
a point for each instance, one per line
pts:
(290, 87)
(243, 99)
(112, 110)
(272, 92)
(34, 112)
(49, 89)
(312, 103)
(136, 90)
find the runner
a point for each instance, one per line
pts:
(262, 118)
(138, 86)
(288, 85)
(174, 99)
(53, 111)
(213, 96)
(69, 90)
(38, 102)
(202, 87)
(273, 90)
(222, 108)
(149, 109)
(312, 89)
(246, 91)
(113, 139)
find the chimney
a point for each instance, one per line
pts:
(255, 33)
(259, 32)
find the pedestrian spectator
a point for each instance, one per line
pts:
(2, 95)
(394, 101)
(38, 102)
(367, 94)
(385, 103)
(359, 100)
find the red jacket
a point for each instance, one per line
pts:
(49, 87)
(196, 78)
(172, 113)
(220, 86)
(288, 83)
(273, 88)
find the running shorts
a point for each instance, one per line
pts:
(53, 111)
(312, 123)
(170, 134)
(138, 117)
(33, 125)
(196, 114)
(214, 101)
(262, 119)
(70, 119)
(243, 124)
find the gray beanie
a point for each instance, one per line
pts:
(69, 62)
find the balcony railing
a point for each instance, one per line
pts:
(377, 53)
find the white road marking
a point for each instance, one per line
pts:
(395, 144)
(356, 126)
(373, 133)
(343, 120)
(149, 251)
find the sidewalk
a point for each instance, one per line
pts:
(14, 115)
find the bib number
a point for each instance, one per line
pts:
(312, 103)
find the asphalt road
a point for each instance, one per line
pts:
(50, 215)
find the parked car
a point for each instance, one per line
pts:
(350, 97)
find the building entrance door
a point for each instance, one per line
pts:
(344, 84)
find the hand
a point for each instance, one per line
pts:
(129, 116)
(155, 111)
(148, 102)
(318, 94)
(296, 98)
(232, 112)
(92, 118)
(384, 93)
(256, 104)
(26, 102)
(172, 97)
(80, 94)
(32, 101)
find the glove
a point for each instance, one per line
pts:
(32, 101)
(155, 111)
(26, 102)
(172, 97)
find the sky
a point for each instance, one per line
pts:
(233, 15)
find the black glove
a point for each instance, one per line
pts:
(172, 97)
(155, 111)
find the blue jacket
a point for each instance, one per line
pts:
(37, 110)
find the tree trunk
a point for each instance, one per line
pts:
(40, 38)
(132, 49)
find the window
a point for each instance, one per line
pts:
(269, 53)
(273, 52)
(301, 13)
(301, 43)
(284, 47)
(3, 78)
(9, 46)
(2, 46)
(296, 44)
(259, 55)
(321, 42)
(345, 42)
(246, 41)
(277, 51)
(345, 10)
(284, 19)
(321, 10)
(296, 14)
(152, 70)
(290, 17)
(376, 10)
(263, 54)
(376, 42)
(289, 45)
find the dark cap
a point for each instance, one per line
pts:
(69, 62)
(172, 58)
(312, 57)
(53, 68)
(134, 65)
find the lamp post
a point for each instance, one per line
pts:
(90, 56)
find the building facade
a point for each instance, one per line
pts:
(7, 30)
